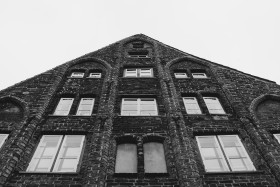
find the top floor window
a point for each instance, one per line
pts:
(94, 75)
(64, 106)
(139, 107)
(214, 106)
(77, 74)
(198, 74)
(85, 107)
(138, 54)
(3, 137)
(191, 105)
(180, 75)
(138, 72)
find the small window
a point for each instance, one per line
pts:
(126, 160)
(138, 54)
(197, 75)
(138, 72)
(180, 75)
(214, 106)
(154, 158)
(191, 105)
(3, 138)
(139, 107)
(85, 107)
(224, 153)
(77, 74)
(57, 153)
(63, 107)
(94, 75)
(277, 136)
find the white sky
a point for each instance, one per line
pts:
(37, 35)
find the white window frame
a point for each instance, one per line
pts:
(138, 72)
(218, 109)
(94, 75)
(225, 157)
(197, 75)
(53, 167)
(138, 112)
(4, 139)
(277, 136)
(61, 102)
(196, 109)
(81, 105)
(77, 74)
(179, 75)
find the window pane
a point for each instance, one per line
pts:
(191, 105)
(145, 72)
(215, 165)
(154, 158)
(180, 75)
(130, 73)
(126, 160)
(77, 74)
(2, 139)
(69, 154)
(45, 153)
(199, 75)
(277, 136)
(214, 105)
(95, 75)
(85, 107)
(63, 106)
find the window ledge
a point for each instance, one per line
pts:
(48, 173)
(51, 115)
(234, 172)
(126, 175)
(138, 77)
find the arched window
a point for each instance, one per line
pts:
(126, 160)
(154, 158)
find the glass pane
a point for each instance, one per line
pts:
(42, 165)
(67, 165)
(210, 153)
(234, 152)
(215, 165)
(154, 158)
(129, 107)
(207, 142)
(83, 113)
(95, 75)
(238, 164)
(230, 141)
(181, 75)
(126, 160)
(3, 138)
(88, 101)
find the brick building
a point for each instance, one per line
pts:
(140, 113)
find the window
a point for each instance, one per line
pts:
(63, 106)
(154, 158)
(3, 137)
(277, 136)
(138, 72)
(126, 160)
(85, 107)
(224, 153)
(213, 105)
(94, 75)
(77, 74)
(138, 54)
(199, 75)
(139, 107)
(191, 105)
(57, 153)
(180, 75)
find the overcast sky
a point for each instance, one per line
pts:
(37, 35)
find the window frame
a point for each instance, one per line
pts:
(225, 157)
(138, 107)
(4, 139)
(80, 106)
(197, 104)
(97, 76)
(56, 156)
(77, 76)
(138, 72)
(194, 75)
(211, 110)
(185, 76)
(60, 103)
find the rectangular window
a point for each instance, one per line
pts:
(94, 75)
(154, 158)
(77, 74)
(199, 75)
(139, 107)
(191, 105)
(214, 106)
(57, 153)
(64, 106)
(138, 72)
(85, 107)
(224, 153)
(180, 75)
(126, 160)
(3, 137)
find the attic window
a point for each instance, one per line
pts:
(138, 54)
(138, 45)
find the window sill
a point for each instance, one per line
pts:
(152, 175)
(126, 175)
(93, 77)
(138, 77)
(51, 115)
(48, 173)
(234, 172)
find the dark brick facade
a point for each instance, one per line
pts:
(252, 107)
